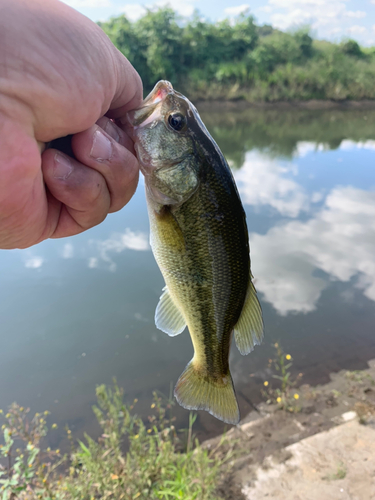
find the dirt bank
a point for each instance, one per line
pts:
(270, 465)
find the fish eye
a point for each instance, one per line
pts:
(177, 121)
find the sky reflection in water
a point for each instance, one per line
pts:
(78, 311)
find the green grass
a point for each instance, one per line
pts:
(131, 459)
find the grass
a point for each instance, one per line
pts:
(340, 473)
(131, 460)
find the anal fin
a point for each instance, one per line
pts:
(248, 331)
(168, 317)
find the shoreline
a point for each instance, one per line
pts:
(276, 446)
(313, 104)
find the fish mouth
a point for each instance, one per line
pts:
(149, 112)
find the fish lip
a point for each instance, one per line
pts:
(137, 117)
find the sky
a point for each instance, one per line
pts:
(333, 20)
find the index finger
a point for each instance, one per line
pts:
(129, 92)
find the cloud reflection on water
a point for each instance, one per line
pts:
(117, 243)
(266, 181)
(338, 240)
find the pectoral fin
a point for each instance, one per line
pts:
(248, 331)
(168, 318)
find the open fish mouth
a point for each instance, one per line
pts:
(150, 110)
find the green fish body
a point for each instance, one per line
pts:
(200, 241)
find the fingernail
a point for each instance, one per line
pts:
(111, 130)
(101, 147)
(63, 167)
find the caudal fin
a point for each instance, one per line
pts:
(195, 391)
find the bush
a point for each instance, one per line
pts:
(131, 460)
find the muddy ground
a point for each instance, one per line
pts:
(265, 434)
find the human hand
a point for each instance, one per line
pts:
(60, 75)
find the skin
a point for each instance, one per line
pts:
(60, 75)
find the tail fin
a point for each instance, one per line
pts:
(195, 391)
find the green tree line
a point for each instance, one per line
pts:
(236, 59)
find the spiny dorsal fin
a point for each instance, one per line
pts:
(248, 331)
(197, 391)
(167, 316)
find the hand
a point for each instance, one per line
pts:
(61, 75)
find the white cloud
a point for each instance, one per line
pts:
(236, 11)
(357, 30)
(185, 8)
(68, 251)
(263, 181)
(117, 244)
(34, 262)
(328, 19)
(91, 4)
(134, 11)
(339, 240)
(358, 14)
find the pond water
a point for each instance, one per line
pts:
(79, 311)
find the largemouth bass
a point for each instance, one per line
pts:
(200, 241)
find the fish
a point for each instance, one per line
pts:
(199, 237)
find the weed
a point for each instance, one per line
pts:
(152, 468)
(359, 376)
(339, 474)
(283, 396)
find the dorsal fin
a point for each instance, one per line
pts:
(248, 331)
(168, 317)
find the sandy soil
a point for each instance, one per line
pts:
(264, 444)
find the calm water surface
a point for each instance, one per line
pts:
(79, 311)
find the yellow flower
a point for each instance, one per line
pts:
(276, 345)
(30, 465)
(136, 436)
(7, 415)
(46, 412)
(288, 357)
(296, 396)
(1, 412)
(58, 451)
(22, 408)
(54, 426)
(135, 401)
(265, 383)
(153, 405)
(149, 431)
(137, 495)
(69, 431)
(114, 476)
(44, 480)
(278, 399)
